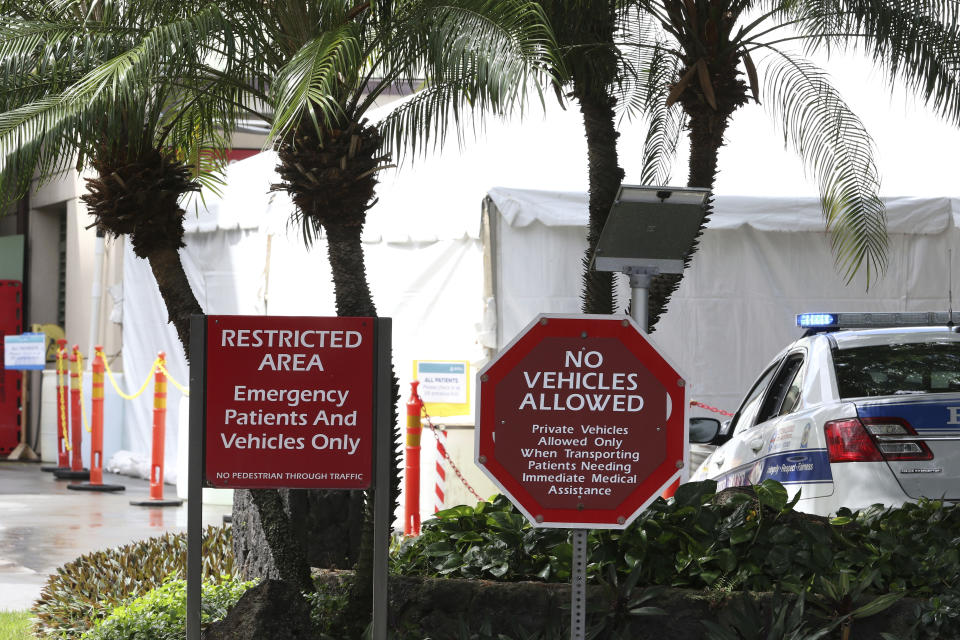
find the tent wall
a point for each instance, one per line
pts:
(760, 262)
(432, 290)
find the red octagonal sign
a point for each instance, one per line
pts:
(582, 422)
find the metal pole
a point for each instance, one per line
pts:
(639, 282)
(383, 445)
(198, 356)
(578, 586)
(95, 295)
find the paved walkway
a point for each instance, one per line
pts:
(44, 525)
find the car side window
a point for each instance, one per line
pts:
(747, 413)
(784, 394)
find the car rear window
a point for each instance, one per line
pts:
(898, 369)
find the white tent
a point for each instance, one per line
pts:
(421, 242)
(425, 251)
(761, 262)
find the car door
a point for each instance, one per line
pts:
(764, 425)
(792, 452)
(730, 464)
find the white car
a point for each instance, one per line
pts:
(849, 417)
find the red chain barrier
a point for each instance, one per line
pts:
(694, 403)
(446, 456)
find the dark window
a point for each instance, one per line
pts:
(747, 413)
(898, 369)
(784, 394)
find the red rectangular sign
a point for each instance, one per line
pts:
(11, 318)
(289, 402)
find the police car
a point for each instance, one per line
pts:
(864, 409)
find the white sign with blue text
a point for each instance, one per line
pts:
(442, 382)
(27, 351)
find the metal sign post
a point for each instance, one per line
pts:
(383, 430)
(578, 586)
(198, 387)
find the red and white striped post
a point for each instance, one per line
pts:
(440, 479)
(411, 503)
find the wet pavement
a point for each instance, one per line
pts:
(44, 525)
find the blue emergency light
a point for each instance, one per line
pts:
(819, 320)
(876, 320)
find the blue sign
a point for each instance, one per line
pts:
(27, 351)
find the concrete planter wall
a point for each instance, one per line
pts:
(457, 609)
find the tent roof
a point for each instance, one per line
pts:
(433, 204)
(521, 207)
(438, 196)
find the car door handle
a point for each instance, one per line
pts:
(756, 444)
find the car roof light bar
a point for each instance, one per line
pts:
(876, 319)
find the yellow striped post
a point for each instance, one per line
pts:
(96, 418)
(159, 428)
(76, 419)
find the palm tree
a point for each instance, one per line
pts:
(321, 66)
(731, 51)
(609, 83)
(126, 90)
(91, 87)
(585, 31)
(94, 109)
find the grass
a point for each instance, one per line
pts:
(15, 625)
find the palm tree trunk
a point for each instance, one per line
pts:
(353, 298)
(288, 557)
(605, 176)
(345, 251)
(707, 128)
(175, 290)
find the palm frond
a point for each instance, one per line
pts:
(914, 41)
(34, 138)
(646, 63)
(423, 122)
(108, 89)
(310, 84)
(649, 70)
(838, 152)
(506, 42)
(479, 57)
(665, 124)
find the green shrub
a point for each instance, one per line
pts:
(490, 541)
(936, 618)
(161, 614)
(752, 540)
(327, 604)
(87, 589)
